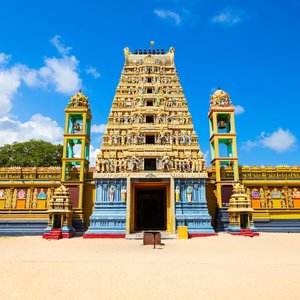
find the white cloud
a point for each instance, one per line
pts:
(249, 144)
(62, 73)
(228, 16)
(164, 14)
(93, 155)
(98, 128)
(38, 127)
(10, 81)
(92, 71)
(56, 42)
(279, 141)
(59, 73)
(239, 110)
(4, 58)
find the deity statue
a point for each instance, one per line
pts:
(296, 193)
(177, 136)
(189, 192)
(123, 193)
(34, 199)
(177, 193)
(128, 138)
(123, 137)
(183, 137)
(166, 163)
(189, 138)
(9, 195)
(275, 193)
(111, 193)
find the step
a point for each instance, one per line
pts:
(54, 234)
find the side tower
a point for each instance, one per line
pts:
(150, 171)
(75, 161)
(223, 147)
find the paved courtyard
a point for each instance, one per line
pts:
(221, 267)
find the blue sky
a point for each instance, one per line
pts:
(250, 48)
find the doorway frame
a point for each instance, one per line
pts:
(149, 186)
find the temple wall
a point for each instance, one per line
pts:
(89, 201)
(191, 206)
(109, 213)
(25, 194)
(274, 194)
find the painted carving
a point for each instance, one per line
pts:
(296, 193)
(34, 199)
(134, 117)
(255, 194)
(276, 194)
(123, 193)
(189, 192)
(42, 194)
(177, 193)
(21, 194)
(111, 193)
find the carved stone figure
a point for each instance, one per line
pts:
(177, 193)
(124, 192)
(111, 193)
(189, 192)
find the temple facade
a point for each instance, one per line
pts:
(150, 173)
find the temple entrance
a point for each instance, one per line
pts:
(57, 220)
(244, 221)
(150, 208)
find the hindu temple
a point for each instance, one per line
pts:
(150, 172)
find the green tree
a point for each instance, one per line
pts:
(34, 153)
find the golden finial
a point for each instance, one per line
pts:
(151, 43)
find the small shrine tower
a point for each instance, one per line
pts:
(240, 213)
(224, 159)
(75, 161)
(60, 215)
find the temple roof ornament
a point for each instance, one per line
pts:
(158, 55)
(61, 200)
(220, 98)
(150, 127)
(239, 201)
(79, 100)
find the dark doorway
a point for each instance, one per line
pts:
(150, 164)
(151, 209)
(149, 102)
(244, 221)
(150, 139)
(149, 119)
(57, 221)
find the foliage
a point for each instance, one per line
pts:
(34, 153)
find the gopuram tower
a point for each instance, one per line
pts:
(150, 172)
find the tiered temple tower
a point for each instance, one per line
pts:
(150, 172)
(75, 161)
(223, 150)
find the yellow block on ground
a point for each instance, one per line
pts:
(182, 232)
